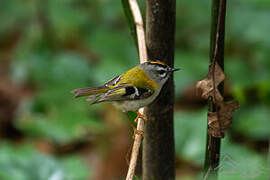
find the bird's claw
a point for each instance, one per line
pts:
(138, 132)
(139, 115)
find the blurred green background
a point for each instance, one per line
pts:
(48, 48)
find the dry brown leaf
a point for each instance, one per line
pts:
(226, 110)
(218, 75)
(207, 87)
(213, 125)
(218, 122)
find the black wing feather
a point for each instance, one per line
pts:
(131, 93)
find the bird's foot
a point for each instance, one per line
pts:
(138, 132)
(139, 115)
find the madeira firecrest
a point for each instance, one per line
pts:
(132, 90)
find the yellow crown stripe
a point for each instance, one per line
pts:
(156, 62)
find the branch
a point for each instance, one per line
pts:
(217, 59)
(135, 148)
(143, 58)
(139, 29)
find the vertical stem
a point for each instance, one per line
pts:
(158, 144)
(212, 155)
(268, 158)
(139, 29)
(134, 7)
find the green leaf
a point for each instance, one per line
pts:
(53, 112)
(67, 20)
(238, 72)
(239, 162)
(253, 121)
(25, 163)
(190, 135)
(61, 124)
(74, 168)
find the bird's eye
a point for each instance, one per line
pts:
(162, 73)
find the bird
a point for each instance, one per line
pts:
(136, 88)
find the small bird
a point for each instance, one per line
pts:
(132, 90)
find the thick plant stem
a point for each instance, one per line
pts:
(158, 144)
(212, 154)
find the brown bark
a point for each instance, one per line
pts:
(158, 144)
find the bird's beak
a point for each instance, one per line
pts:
(174, 69)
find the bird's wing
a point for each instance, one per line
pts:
(95, 92)
(113, 81)
(125, 92)
(90, 91)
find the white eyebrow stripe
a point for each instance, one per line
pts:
(161, 68)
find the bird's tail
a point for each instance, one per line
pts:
(91, 92)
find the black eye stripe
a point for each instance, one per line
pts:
(162, 71)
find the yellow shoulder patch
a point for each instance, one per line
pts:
(137, 77)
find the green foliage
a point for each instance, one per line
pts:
(190, 140)
(57, 46)
(130, 20)
(14, 13)
(52, 112)
(239, 162)
(115, 60)
(25, 163)
(193, 68)
(65, 19)
(246, 55)
(236, 162)
(253, 122)
(45, 115)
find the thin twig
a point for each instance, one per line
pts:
(143, 58)
(216, 55)
(135, 149)
(269, 152)
(214, 60)
(134, 7)
(205, 177)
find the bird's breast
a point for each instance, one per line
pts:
(134, 105)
